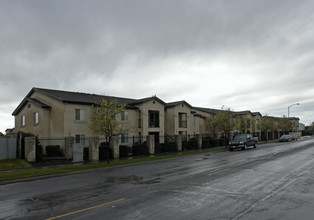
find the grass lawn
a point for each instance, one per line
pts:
(13, 164)
(70, 168)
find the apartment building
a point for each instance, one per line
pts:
(49, 113)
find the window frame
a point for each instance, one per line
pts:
(36, 118)
(80, 139)
(153, 121)
(80, 114)
(124, 116)
(23, 120)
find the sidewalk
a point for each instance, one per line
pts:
(60, 162)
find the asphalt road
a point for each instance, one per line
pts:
(274, 181)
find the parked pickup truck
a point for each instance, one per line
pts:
(243, 141)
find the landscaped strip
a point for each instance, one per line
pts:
(13, 164)
(66, 169)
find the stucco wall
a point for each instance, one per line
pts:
(172, 120)
(56, 118)
(152, 105)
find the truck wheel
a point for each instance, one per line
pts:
(245, 147)
(255, 145)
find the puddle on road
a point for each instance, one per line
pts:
(133, 179)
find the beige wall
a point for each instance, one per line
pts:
(56, 121)
(172, 120)
(41, 129)
(152, 105)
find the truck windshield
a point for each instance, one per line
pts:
(240, 137)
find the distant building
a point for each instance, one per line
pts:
(301, 127)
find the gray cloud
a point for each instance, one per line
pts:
(245, 54)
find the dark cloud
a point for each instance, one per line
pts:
(211, 53)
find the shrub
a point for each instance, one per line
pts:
(86, 154)
(165, 147)
(223, 142)
(39, 153)
(139, 149)
(105, 152)
(124, 151)
(190, 144)
(215, 143)
(207, 142)
(53, 151)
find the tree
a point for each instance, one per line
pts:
(225, 120)
(312, 126)
(105, 119)
(212, 125)
(267, 124)
(285, 124)
(240, 124)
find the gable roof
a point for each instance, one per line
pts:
(31, 100)
(208, 110)
(140, 101)
(173, 104)
(80, 98)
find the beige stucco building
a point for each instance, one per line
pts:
(52, 114)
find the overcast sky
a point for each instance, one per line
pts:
(243, 54)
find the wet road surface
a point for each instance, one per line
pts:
(274, 181)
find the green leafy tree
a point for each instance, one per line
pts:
(285, 124)
(240, 124)
(267, 125)
(225, 120)
(248, 125)
(105, 119)
(253, 125)
(212, 125)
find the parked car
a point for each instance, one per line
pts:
(243, 141)
(294, 137)
(285, 138)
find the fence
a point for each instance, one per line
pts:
(95, 149)
(7, 148)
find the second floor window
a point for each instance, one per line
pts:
(153, 119)
(183, 120)
(36, 118)
(139, 119)
(23, 120)
(124, 116)
(79, 114)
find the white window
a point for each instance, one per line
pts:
(80, 139)
(79, 114)
(36, 118)
(23, 120)
(124, 138)
(124, 116)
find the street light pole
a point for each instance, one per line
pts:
(291, 106)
